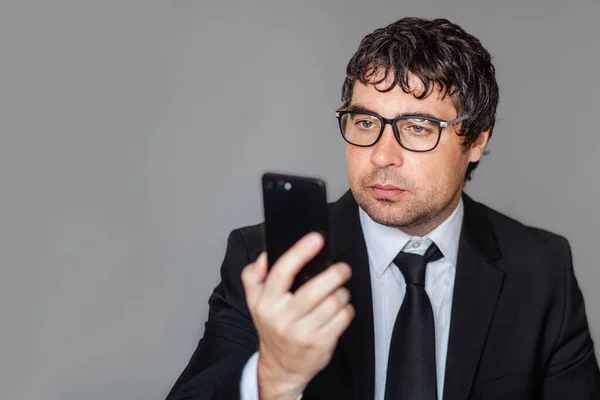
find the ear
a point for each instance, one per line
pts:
(478, 147)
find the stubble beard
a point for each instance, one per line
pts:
(405, 215)
(413, 214)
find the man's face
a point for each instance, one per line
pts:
(428, 184)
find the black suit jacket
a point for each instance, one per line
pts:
(518, 326)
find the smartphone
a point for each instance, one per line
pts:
(293, 207)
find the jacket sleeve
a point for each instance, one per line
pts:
(572, 371)
(215, 369)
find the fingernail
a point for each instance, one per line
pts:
(347, 268)
(314, 239)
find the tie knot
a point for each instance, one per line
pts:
(413, 266)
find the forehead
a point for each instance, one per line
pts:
(375, 96)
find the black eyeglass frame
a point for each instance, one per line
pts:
(384, 121)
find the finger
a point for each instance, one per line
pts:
(324, 312)
(253, 276)
(282, 274)
(338, 324)
(313, 292)
(261, 267)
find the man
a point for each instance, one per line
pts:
(435, 295)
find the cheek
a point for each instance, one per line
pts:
(452, 159)
(441, 174)
(357, 160)
(454, 168)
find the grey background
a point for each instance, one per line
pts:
(134, 133)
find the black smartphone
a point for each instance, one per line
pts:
(293, 207)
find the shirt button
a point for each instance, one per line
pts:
(416, 245)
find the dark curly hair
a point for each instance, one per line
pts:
(437, 52)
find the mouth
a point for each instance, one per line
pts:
(386, 192)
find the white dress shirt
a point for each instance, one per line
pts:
(388, 288)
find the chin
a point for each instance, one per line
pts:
(397, 219)
(390, 213)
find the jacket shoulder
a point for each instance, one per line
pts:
(252, 237)
(529, 245)
(507, 225)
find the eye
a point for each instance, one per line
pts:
(366, 124)
(418, 129)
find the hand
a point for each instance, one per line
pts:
(297, 331)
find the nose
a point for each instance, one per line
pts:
(387, 151)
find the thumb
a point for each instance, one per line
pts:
(253, 278)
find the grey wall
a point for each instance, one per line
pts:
(133, 134)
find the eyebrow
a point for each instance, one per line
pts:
(361, 108)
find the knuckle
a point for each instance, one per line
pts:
(311, 296)
(343, 272)
(262, 310)
(305, 341)
(285, 267)
(280, 329)
(321, 342)
(276, 273)
(333, 304)
(344, 295)
(246, 273)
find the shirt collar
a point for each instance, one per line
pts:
(385, 242)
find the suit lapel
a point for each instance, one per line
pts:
(476, 290)
(358, 340)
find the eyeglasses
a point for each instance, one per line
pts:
(413, 132)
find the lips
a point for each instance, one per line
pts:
(387, 192)
(386, 187)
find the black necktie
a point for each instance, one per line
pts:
(411, 372)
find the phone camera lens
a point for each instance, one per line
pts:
(280, 184)
(269, 185)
